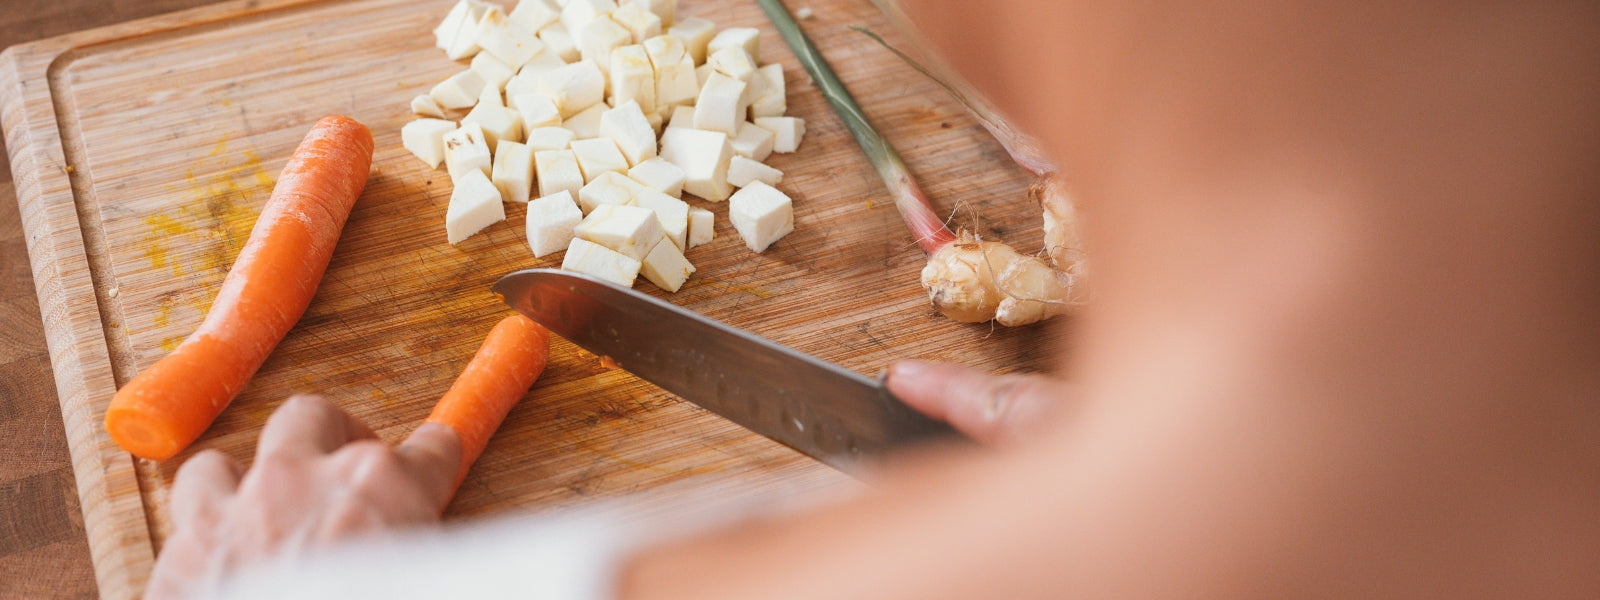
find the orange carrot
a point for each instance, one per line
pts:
(163, 409)
(507, 364)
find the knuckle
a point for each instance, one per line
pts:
(368, 462)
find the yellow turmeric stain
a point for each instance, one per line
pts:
(170, 343)
(753, 291)
(219, 209)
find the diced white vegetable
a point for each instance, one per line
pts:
(666, 267)
(719, 107)
(787, 132)
(577, 14)
(632, 78)
(744, 38)
(599, 38)
(491, 95)
(557, 39)
(682, 116)
(513, 171)
(474, 205)
(599, 155)
(672, 212)
(549, 138)
(659, 175)
(574, 87)
(674, 70)
(445, 34)
(772, 101)
(696, 34)
(465, 151)
(703, 156)
(551, 220)
(460, 90)
(586, 125)
(742, 171)
(463, 40)
(506, 40)
(534, 15)
(666, 10)
(702, 226)
(638, 20)
(655, 121)
(630, 230)
(498, 122)
(734, 62)
(425, 106)
(557, 171)
(627, 126)
(753, 142)
(537, 110)
(541, 62)
(608, 188)
(761, 214)
(589, 258)
(521, 84)
(425, 139)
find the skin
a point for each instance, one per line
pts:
(1347, 284)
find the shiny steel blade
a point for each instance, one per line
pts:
(816, 407)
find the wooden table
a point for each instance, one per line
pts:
(43, 550)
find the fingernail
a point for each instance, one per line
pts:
(908, 369)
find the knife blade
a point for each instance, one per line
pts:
(818, 408)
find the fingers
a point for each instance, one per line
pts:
(433, 454)
(202, 485)
(310, 425)
(988, 408)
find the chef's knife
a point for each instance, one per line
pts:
(823, 410)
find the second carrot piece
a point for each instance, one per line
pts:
(511, 358)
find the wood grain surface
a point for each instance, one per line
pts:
(142, 153)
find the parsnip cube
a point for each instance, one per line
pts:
(534, 15)
(674, 69)
(465, 151)
(577, 14)
(586, 125)
(574, 87)
(540, 63)
(630, 230)
(672, 212)
(513, 171)
(491, 95)
(761, 214)
(589, 258)
(659, 175)
(445, 34)
(551, 220)
(627, 126)
(520, 85)
(474, 205)
(666, 10)
(460, 90)
(744, 38)
(702, 74)
(742, 171)
(703, 156)
(632, 78)
(773, 100)
(696, 34)
(557, 39)
(666, 267)
(425, 106)
(655, 121)
(787, 132)
(682, 116)
(608, 188)
(720, 106)
(599, 155)
(506, 40)
(493, 70)
(558, 171)
(425, 139)
(599, 38)
(537, 110)
(498, 123)
(734, 62)
(702, 226)
(638, 20)
(462, 40)
(753, 142)
(549, 138)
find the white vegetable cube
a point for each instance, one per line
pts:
(734, 62)
(551, 220)
(474, 205)
(702, 226)
(465, 151)
(577, 14)
(521, 84)
(599, 155)
(702, 74)
(666, 267)
(445, 34)
(609, 188)
(682, 116)
(638, 20)
(558, 171)
(632, 78)
(574, 87)
(491, 95)
(672, 212)
(742, 171)
(424, 138)
(557, 39)
(534, 15)
(676, 82)
(753, 142)
(666, 10)
(630, 230)
(549, 138)
(498, 123)
(495, 72)
(586, 125)
(599, 38)
(696, 34)
(513, 171)
(506, 40)
(720, 106)
(627, 126)
(743, 38)
(773, 100)
(761, 214)
(703, 156)
(787, 132)
(589, 258)
(655, 121)
(659, 175)
(461, 41)
(541, 62)
(537, 110)
(460, 90)
(425, 106)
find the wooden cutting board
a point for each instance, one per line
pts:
(143, 152)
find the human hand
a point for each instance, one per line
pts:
(992, 409)
(319, 476)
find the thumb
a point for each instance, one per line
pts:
(991, 409)
(433, 455)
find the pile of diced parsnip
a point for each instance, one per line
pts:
(571, 96)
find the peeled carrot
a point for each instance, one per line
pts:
(507, 364)
(168, 406)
